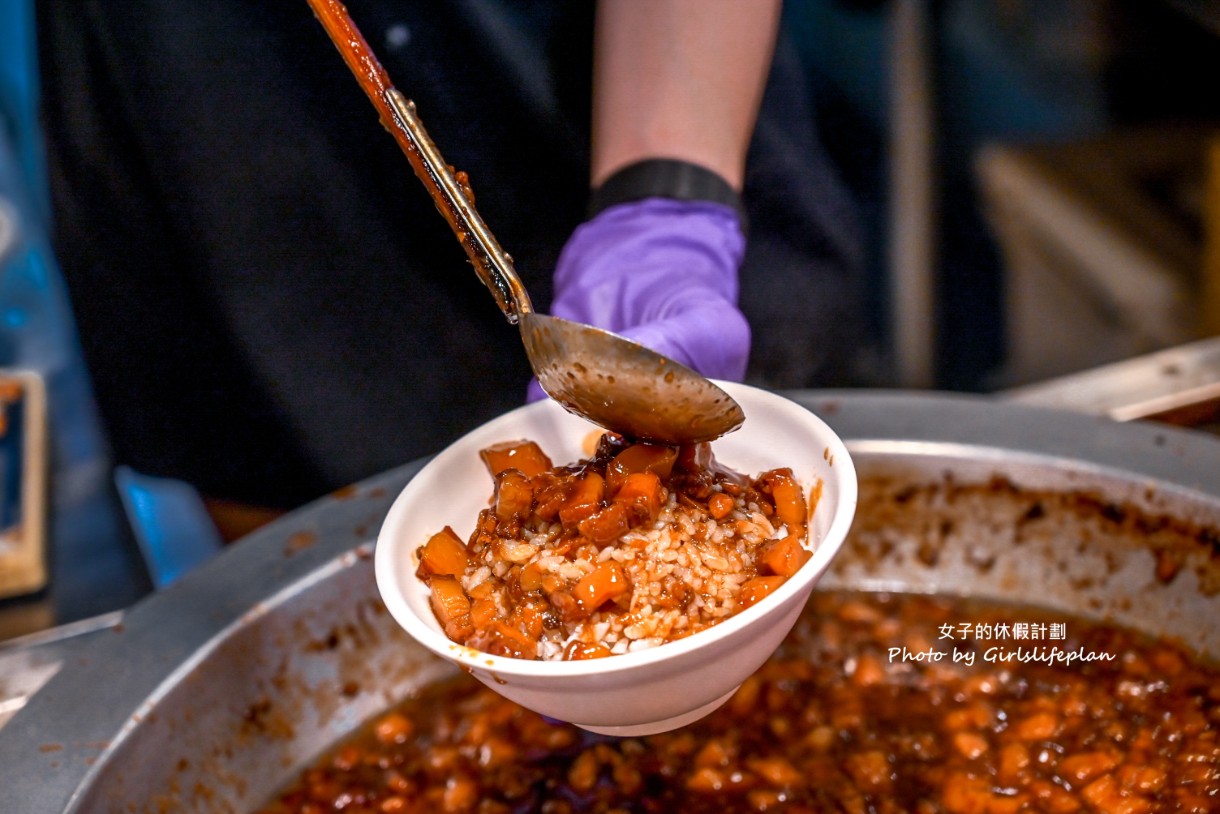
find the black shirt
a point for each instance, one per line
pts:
(270, 306)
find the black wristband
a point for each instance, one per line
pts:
(665, 178)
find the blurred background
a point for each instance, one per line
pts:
(1006, 154)
(1038, 186)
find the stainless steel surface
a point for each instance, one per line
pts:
(29, 662)
(8, 228)
(1180, 384)
(278, 646)
(211, 693)
(608, 379)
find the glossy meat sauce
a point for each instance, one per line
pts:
(855, 713)
(635, 546)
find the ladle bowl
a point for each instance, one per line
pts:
(623, 386)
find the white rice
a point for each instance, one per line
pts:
(685, 545)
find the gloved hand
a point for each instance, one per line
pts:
(662, 272)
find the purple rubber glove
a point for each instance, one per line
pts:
(662, 272)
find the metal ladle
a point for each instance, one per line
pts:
(615, 383)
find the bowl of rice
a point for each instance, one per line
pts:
(627, 589)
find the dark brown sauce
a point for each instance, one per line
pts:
(855, 713)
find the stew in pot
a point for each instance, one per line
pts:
(875, 704)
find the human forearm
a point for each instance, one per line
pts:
(679, 79)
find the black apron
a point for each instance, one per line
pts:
(271, 308)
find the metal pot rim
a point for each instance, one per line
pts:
(49, 752)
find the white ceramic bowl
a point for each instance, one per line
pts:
(641, 692)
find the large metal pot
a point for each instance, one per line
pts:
(211, 694)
